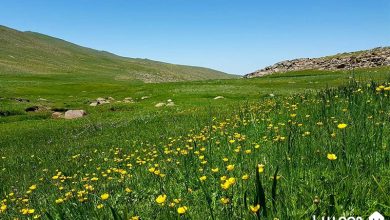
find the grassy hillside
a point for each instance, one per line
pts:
(29, 52)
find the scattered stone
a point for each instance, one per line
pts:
(20, 99)
(100, 99)
(161, 104)
(42, 99)
(111, 98)
(37, 109)
(170, 104)
(219, 97)
(169, 100)
(57, 115)
(128, 100)
(144, 97)
(72, 114)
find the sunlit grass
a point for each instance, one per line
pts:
(289, 156)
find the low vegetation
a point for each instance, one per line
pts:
(282, 146)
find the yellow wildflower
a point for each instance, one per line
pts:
(3, 208)
(225, 200)
(27, 211)
(105, 196)
(161, 199)
(342, 126)
(254, 209)
(260, 168)
(231, 180)
(331, 156)
(182, 210)
(59, 201)
(230, 167)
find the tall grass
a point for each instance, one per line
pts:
(324, 154)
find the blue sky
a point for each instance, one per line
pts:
(235, 36)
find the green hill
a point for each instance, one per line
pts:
(30, 52)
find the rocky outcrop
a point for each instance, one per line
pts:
(362, 59)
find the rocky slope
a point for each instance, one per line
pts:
(361, 59)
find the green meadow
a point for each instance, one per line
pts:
(272, 148)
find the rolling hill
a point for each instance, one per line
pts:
(35, 53)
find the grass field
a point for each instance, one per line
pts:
(272, 142)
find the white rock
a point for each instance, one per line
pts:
(161, 104)
(219, 97)
(57, 115)
(170, 104)
(72, 114)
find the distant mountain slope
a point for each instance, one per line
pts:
(360, 59)
(30, 52)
